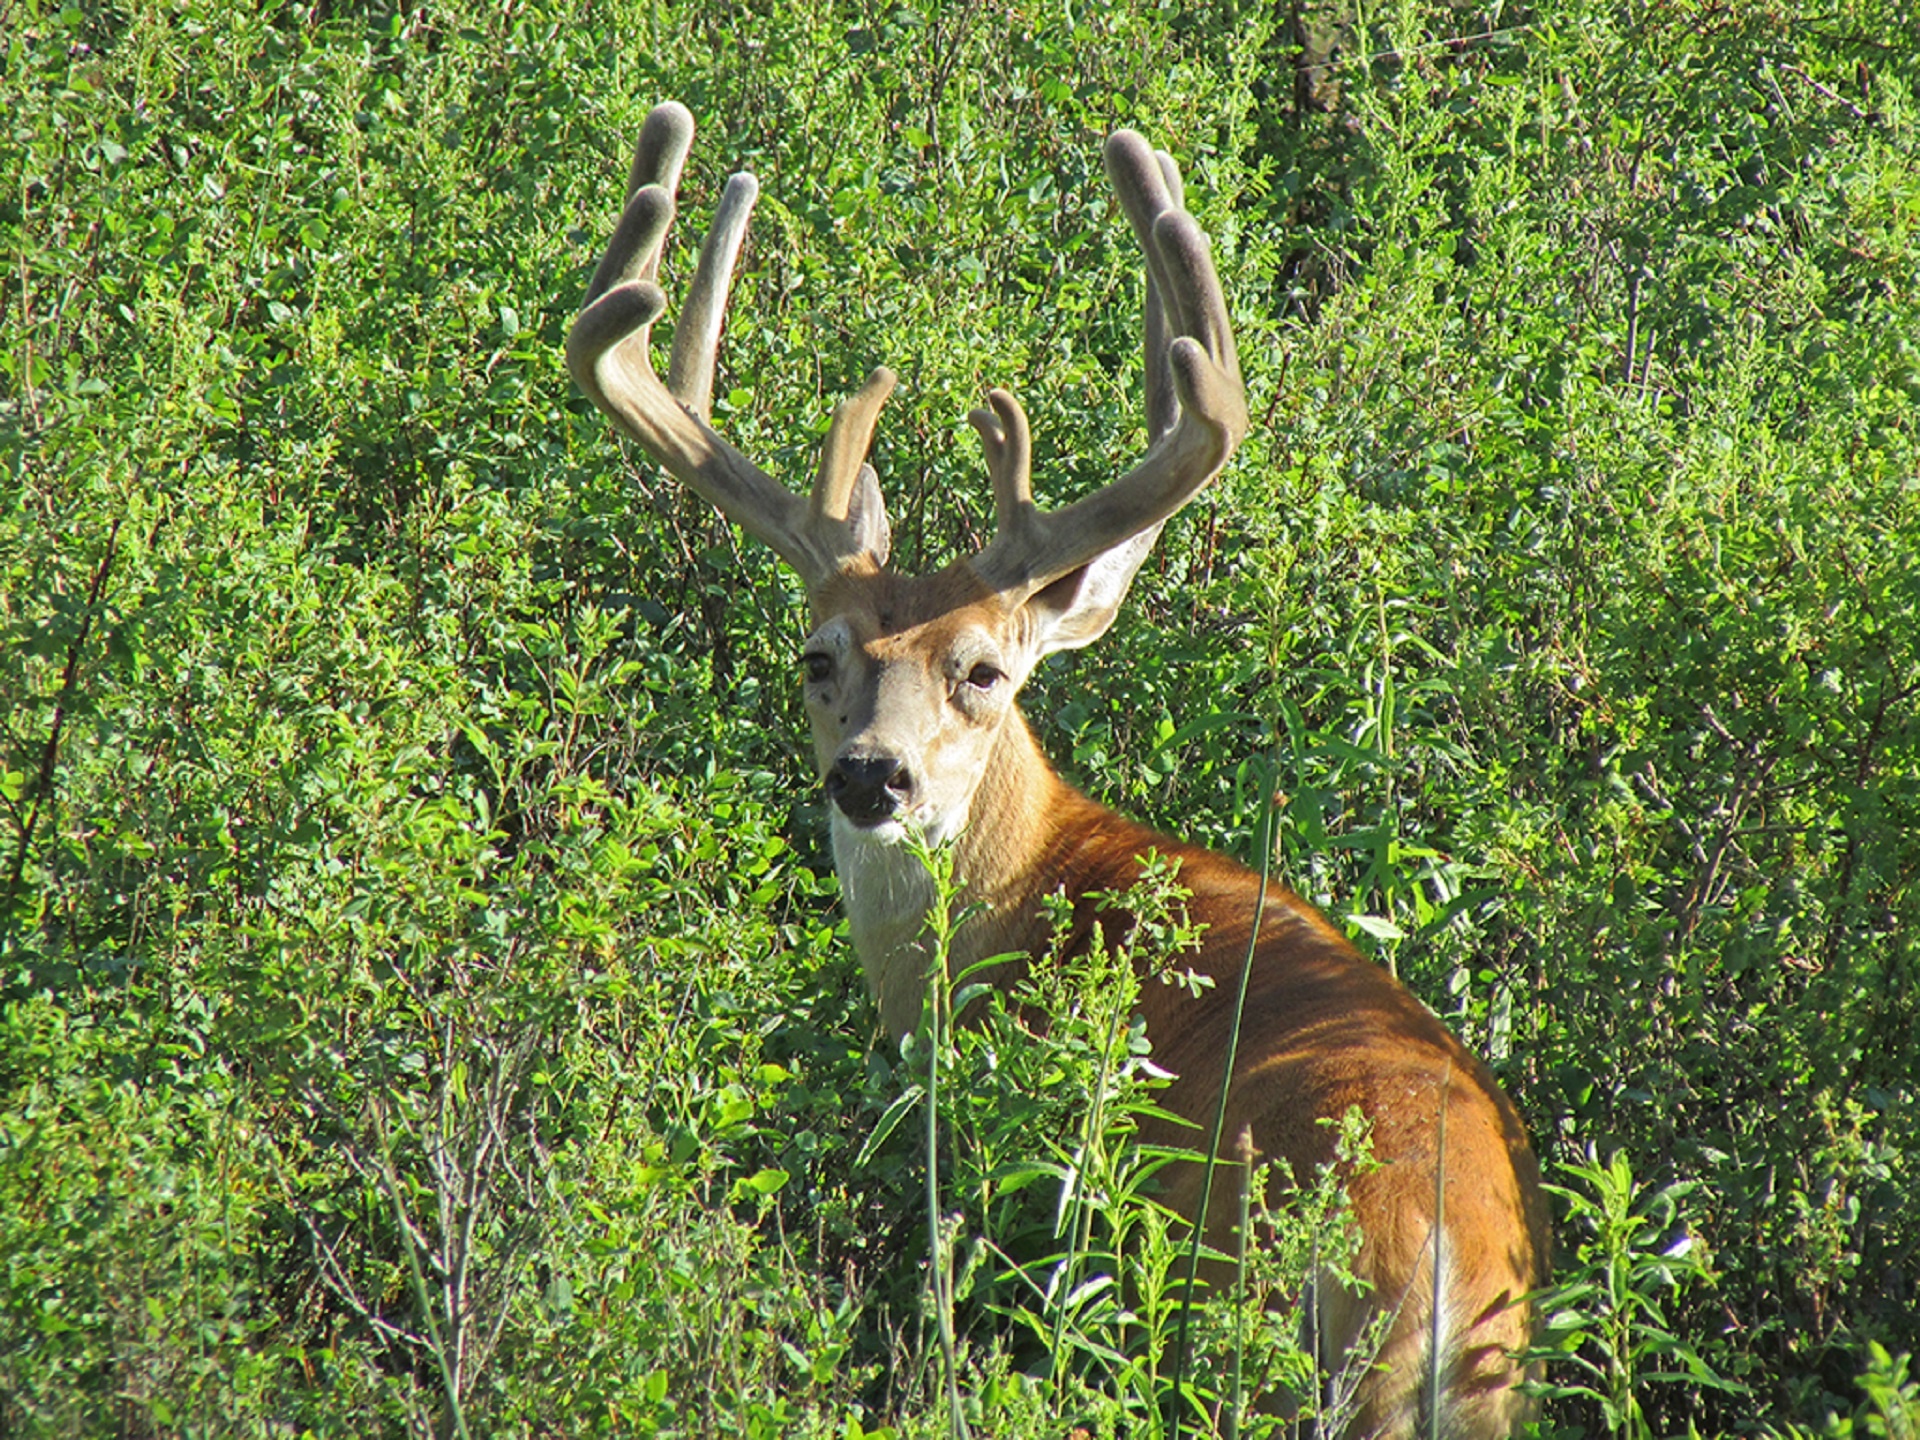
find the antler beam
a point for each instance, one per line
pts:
(1196, 403)
(609, 356)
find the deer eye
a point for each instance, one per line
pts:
(984, 676)
(819, 665)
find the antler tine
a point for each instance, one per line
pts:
(1163, 406)
(666, 136)
(696, 338)
(1008, 441)
(608, 354)
(849, 436)
(1196, 404)
(1148, 184)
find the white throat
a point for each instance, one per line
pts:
(886, 892)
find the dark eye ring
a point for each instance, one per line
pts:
(984, 677)
(819, 666)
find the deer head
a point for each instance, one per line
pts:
(910, 681)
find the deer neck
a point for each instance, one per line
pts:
(998, 865)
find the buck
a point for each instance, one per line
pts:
(910, 685)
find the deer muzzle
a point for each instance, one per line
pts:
(869, 789)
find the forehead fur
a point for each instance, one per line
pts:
(896, 603)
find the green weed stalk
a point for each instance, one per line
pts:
(1268, 809)
(938, 1016)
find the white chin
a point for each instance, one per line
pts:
(893, 832)
(887, 832)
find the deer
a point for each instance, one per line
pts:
(910, 686)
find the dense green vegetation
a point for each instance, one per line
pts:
(422, 997)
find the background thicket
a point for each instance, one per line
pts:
(420, 964)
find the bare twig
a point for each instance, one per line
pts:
(442, 1352)
(1827, 93)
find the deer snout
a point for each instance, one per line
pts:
(868, 788)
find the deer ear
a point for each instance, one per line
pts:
(867, 516)
(1077, 608)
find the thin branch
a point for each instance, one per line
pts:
(335, 1275)
(50, 753)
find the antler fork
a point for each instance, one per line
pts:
(608, 353)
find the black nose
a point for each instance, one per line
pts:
(868, 788)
